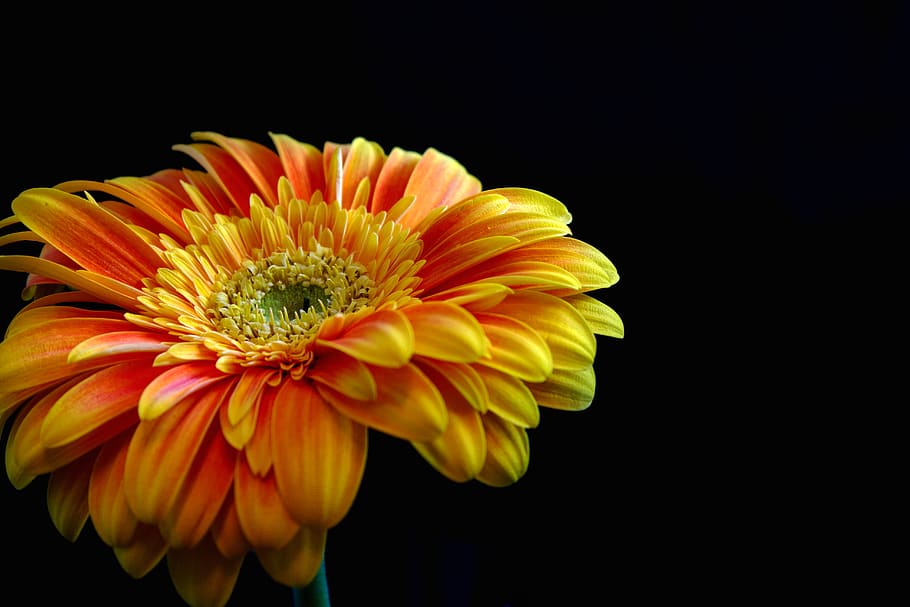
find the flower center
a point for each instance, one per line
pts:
(285, 296)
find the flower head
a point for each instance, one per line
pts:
(206, 350)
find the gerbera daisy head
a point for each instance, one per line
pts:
(205, 350)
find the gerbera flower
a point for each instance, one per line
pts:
(205, 351)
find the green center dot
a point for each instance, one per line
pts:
(294, 300)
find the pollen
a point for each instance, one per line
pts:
(284, 297)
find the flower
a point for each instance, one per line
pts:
(205, 351)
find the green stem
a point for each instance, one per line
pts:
(314, 594)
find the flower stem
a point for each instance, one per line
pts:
(314, 594)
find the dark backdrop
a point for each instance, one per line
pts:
(743, 167)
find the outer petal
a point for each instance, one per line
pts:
(510, 398)
(67, 497)
(602, 319)
(175, 384)
(162, 451)
(302, 165)
(383, 338)
(566, 390)
(42, 210)
(459, 452)
(261, 513)
(202, 576)
(446, 332)
(144, 551)
(111, 515)
(392, 181)
(516, 349)
(408, 405)
(344, 374)
(437, 180)
(508, 452)
(298, 562)
(318, 454)
(257, 161)
(364, 161)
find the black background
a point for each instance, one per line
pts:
(743, 167)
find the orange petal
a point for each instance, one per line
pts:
(38, 355)
(408, 404)
(105, 289)
(383, 338)
(392, 181)
(115, 251)
(67, 496)
(111, 516)
(117, 342)
(464, 378)
(226, 530)
(364, 161)
(302, 165)
(33, 317)
(144, 551)
(459, 452)
(508, 452)
(344, 374)
(460, 257)
(516, 348)
(446, 332)
(437, 180)
(227, 172)
(247, 392)
(263, 517)
(175, 384)
(256, 160)
(566, 390)
(202, 576)
(318, 454)
(94, 401)
(297, 563)
(510, 398)
(474, 297)
(162, 450)
(259, 447)
(202, 493)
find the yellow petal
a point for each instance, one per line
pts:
(602, 319)
(263, 517)
(117, 342)
(532, 201)
(202, 576)
(408, 404)
(297, 563)
(516, 349)
(247, 391)
(446, 332)
(364, 161)
(67, 497)
(592, 268)
(510, 398)
(460, 451)
(508, 452)
(344, 374)
(566, 390)
(563, 328)
(383, 338)
(318, 455)
(463, 377)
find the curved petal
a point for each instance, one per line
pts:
(256, 160)
(592, 268)
(446, 332)
(364, 161)
(297, 563)
(516, 348)
(227, 172)
(67, 496)
(96, 400)
(145, 550)
(175, 384)
(602, 319)
(508, 452)
(202, 576)
(460, 451)
(566, 390)
(566, 332)
(33, 318)
(383, 338)
(408, 405)
(463, 377)
(344, 374)
(42, 210)
(264, 519)
(162, 451)
(510, 398)
(118, 342)
(302, 165)
(318, 455)
(258, 449)
(393, 179)
(111, 515)
(227, 532)
(437, 180)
